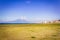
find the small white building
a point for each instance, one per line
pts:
(56, 21)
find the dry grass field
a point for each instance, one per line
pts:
(29, 31)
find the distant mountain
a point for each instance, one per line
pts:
(15, 21)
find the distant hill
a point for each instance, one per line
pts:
(15, 21)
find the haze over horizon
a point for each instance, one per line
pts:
(30, 11)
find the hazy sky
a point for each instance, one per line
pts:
(30, 10)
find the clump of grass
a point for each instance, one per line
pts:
(31, 30)
(54, 35)
(33, 37)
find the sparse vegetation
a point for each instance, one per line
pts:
(29, 31)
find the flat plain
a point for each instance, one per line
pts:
(29, 31)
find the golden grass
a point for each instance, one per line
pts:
(29, 32)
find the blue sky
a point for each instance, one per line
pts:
(30, 10)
